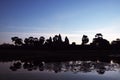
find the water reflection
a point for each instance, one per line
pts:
(68, 66)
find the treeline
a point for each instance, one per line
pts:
(57, 42)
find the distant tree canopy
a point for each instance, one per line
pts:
(99, 41)
(85, 39)
(98, 35)
(17, 41)
(116, 42)
(33, 41)
(41, 40)
(49, 41)
(57, 41)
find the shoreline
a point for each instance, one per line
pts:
(59, 55)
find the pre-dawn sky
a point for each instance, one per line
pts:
(72, 18)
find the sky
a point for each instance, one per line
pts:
(71, 18)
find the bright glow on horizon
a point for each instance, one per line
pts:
(73, 37)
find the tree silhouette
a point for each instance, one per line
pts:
(48, 42)
(36, 41)
(55, 39)
(116, 42)
(85, 40)
(17, 41)
(99, 41)
(41, 40)
(31, 41)
(26, 41)
(98, 35)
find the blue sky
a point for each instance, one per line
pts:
(71, 18)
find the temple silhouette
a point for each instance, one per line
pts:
(56, 48)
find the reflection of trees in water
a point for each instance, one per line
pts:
(72, 66)
(15, 66)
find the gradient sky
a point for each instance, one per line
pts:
(72, 18)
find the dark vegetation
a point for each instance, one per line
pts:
(57, 43)
(56, 48)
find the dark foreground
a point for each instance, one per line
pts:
(34, 64)
(59, 55)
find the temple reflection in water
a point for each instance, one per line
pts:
(68, 66)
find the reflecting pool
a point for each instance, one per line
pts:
(67, 70)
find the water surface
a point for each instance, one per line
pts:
(68, 70)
